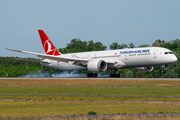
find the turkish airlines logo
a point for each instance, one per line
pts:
(50, 49)
(48, 46)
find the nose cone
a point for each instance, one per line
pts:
(174, 58)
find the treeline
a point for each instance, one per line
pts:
(18, 67)
(14, 66)
(173, 70)
(76, 45)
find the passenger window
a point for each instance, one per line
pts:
(166, 53)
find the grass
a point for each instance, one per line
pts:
(32, 108)
(91, 87)
(76, 105)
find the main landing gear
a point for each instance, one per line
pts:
(114, 75)
(92, 75)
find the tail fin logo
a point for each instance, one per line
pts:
(47, 46)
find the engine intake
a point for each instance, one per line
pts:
(144, 69)
(97, 66)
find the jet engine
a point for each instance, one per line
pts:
(144, 69)
(97, 66)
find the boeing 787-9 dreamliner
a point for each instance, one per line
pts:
(141, 59)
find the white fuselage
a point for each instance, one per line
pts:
(124, 58)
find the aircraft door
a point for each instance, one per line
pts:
(126, 56)
(155, 53)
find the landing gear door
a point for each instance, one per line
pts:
(155, 53)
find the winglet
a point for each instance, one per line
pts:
(49, 48)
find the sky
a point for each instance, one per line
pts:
(107, 21)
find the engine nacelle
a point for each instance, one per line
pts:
(97, 66)
(144, 69)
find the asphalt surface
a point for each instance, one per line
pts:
(126, 115)
(123, 96)
(104, 117)
(84, 78)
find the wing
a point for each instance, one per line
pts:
(76, 61)
(57, 58)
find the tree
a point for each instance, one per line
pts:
(76, 45)
(173, 71)
(158, 43)
(144, 45)
(90, 45)
(131, 45)
(123, 46)
(129, 74)
(114, 45)
(172, 46)
(99, 46)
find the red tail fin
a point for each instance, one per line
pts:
(47, 44)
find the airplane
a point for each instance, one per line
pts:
(141, 59)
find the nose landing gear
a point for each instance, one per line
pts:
(163, 71)
(163, 66)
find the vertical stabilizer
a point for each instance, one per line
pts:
(47, 44)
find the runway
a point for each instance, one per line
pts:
(83, 78)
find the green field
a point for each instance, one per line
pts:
(33, 108)
(76, 105)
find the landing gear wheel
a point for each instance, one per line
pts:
(88, 75)
(92, 75)
(114, 75)
(111, 75)
(95, 75)
(163, 71)
(118, 75)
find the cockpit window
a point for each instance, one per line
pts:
(168, 53)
